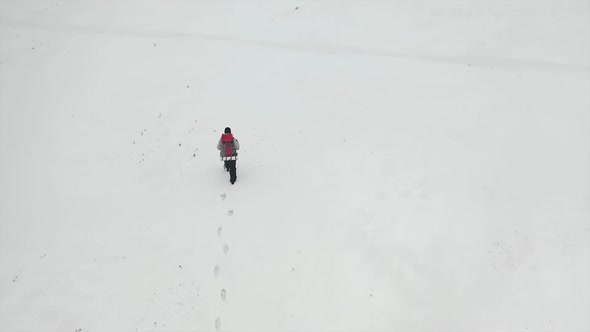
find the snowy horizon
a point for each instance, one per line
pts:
(404, 166)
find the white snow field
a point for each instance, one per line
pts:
(405, 166)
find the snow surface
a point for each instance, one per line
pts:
(405, 166)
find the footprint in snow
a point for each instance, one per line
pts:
(230, 213)
(225, 249)
(219, 230)
(223, 196)
(216, 271)
(223, 295)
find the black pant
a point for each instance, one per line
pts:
(231, 166)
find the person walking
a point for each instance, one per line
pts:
(228, 146)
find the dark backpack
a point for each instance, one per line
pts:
(228, 143)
